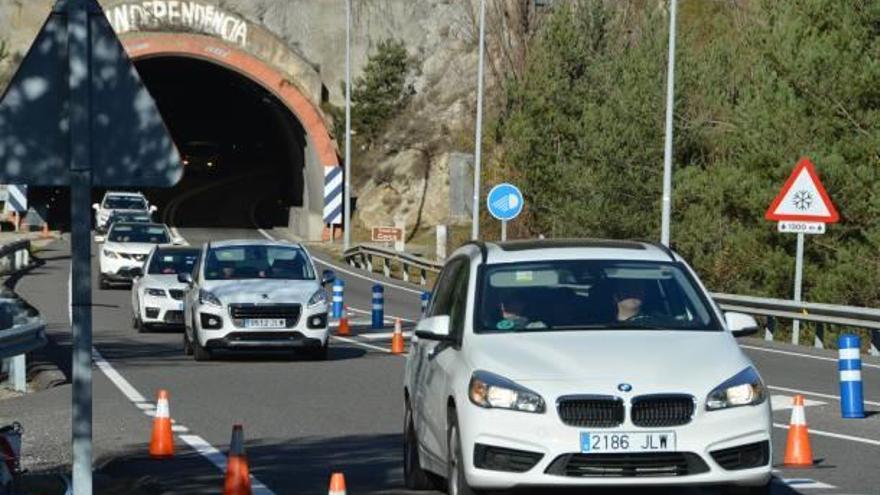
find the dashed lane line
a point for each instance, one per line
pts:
(801, 354)
(195, 442)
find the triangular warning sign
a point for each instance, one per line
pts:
(131, 145)
(803, 198)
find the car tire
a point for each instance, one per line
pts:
(103, 284)
(142, 327)
(134, 322)
(414, 477)
(187, 345)
(199, 352)
(456, 481)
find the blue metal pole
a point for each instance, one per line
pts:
(338, 292)
(378, 306)
(426, 298)
(849, 363)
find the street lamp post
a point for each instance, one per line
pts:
(667, 153)
(475, 228)
(346, 199)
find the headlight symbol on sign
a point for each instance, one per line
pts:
(505, 201)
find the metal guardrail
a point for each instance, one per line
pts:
(361, 256)
(14, 256)
(21, 332)
(21, 339)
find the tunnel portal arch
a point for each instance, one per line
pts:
(199, 30)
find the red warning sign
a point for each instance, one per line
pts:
(803, 198)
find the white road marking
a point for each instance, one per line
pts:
(839, 436)
(362, 344)
(390, 318)
(801, 354)
(815, 394)
(196, 442)
(783, 402)
(383, 335)
(805, 483)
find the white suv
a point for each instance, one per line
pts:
(126, 247)
(118, 201)
(581, 363)
(156, 294)
(252, 295)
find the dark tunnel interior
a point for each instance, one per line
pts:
(243, 150)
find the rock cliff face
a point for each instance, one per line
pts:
(407, 174)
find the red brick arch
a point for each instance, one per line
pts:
(146, 45)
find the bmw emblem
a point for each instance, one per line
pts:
(624, 387)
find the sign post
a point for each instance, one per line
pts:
(802, 207)
(77, 114)
(505, 202)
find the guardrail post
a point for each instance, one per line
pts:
(405, 272)
(386, 267)
(18, 373)
(852, 404)
(423, 277)
(819, 338)
(370, 263)
(770, 329)
(874, 349)
(378, 306)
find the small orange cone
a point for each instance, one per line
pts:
(797, 450)
(337, 484)
(162, 441)
(397, 338)
(238, 475)
(344, 328)
(45, 232)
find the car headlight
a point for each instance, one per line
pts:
(206, 297)
(155, 292)
(744, 389)
(318, 298)
(492, 391)
(110, 254)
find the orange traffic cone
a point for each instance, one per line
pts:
(238, 476)
(162, 441)
(344, 328)
(397, 338)
(337, 484)
(45, 232)
(797, 450)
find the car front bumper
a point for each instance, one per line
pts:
(231, 333)
(161, 310)
(545, 434)
(118, 269)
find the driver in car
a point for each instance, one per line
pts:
(629, 295)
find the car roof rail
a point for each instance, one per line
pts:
(660, 246)
(484, 254)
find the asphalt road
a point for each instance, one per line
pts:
(304, 420)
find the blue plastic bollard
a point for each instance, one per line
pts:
(378, 306)
(426, 297)
(852, 404)
(338, 291)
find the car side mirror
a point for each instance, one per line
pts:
(96, 206)
(153, 208)
(178, 241)
(185, 278)
(327, 277)
(741, 324)
(434, 328)
(137, 272)
(100, 238)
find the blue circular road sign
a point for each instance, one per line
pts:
(505, 201)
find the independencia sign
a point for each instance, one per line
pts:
(193, 16)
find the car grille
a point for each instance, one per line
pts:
(174, 316)
(743, 456)
(594, 411)
(636, 465)
(132, 256)
(662, 410)
(176, 294)
(290, 312)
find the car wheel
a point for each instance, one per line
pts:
(187, 345)
(134, 322)
(199, 352)
(102, 282)
(141, 326)
(414, 477)
(456, 482)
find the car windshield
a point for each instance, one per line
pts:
(125, 203)
(137, 232)
(271, 262)
(168, 262)
(591, 294)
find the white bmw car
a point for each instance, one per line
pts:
(255, 295)
(581, 363)
(156, 294)
(126, 247)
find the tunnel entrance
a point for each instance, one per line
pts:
(243, 150)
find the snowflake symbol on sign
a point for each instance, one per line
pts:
(802, 200)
